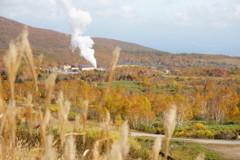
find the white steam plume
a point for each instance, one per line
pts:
(78, 20)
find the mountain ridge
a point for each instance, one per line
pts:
(55, 46)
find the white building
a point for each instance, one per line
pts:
(75, 69)
(66, 67)
(166, 72)
(86, 67)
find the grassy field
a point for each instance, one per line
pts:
(183, 150)
(130, 85)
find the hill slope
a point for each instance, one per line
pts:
(55, 47)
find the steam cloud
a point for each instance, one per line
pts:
(78, 20)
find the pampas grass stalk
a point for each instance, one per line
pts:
(169, 125)
(96, 153)
(70, 149)
(12, 62)
(84, 119)
(9, 129)
(77, 124)
(28, 56)
(64, 108)
(44, 121)
(85, 153)
(120, 149)
(49, 151)
(124, 146)
(29, 112)
(200, 156)
(107, 130)
(44, 125)
(50, 83)
(156, 148)
(116, 54)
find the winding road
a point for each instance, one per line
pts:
(203, 141)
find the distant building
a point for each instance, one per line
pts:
(74, 69)
(166, 72)
(86, 67)
(126, 65)
(101, 69)
(66, 67)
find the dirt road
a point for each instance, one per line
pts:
(226, 151)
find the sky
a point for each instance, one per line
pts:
(176, 26)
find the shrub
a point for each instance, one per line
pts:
(118, 120)
(19, 99)
(199, 126)
(159, 130)
(72, 115)
(141, 153)
(203, 134)
(53, 108)
(226, 134)
(181, 133)
(145, 128)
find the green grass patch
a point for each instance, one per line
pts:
(53, 107)
(131, 85)
(179, 150)
(223, 127)
(188, 151)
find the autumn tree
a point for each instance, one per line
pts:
(184, 110)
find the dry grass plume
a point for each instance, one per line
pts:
(169, 125)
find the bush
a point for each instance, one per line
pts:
(145, 128)
(199, 126)
(118, 120)
(226, 134)
(141, 153)
(203, 134)
(159, 130)
(72, 115)
(181, 133)
(53, 108)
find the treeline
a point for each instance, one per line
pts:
(196, 99)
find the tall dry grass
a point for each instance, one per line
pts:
(12, 148)
(28, 57)
(70, 149)
(29, 112)
(49, 151)
(156, 148)
(84, 119)
(116, 54)
(64, 108)
(200, 157)
(50, 83)
(169, 125)
(12, 61)
(21, 49)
